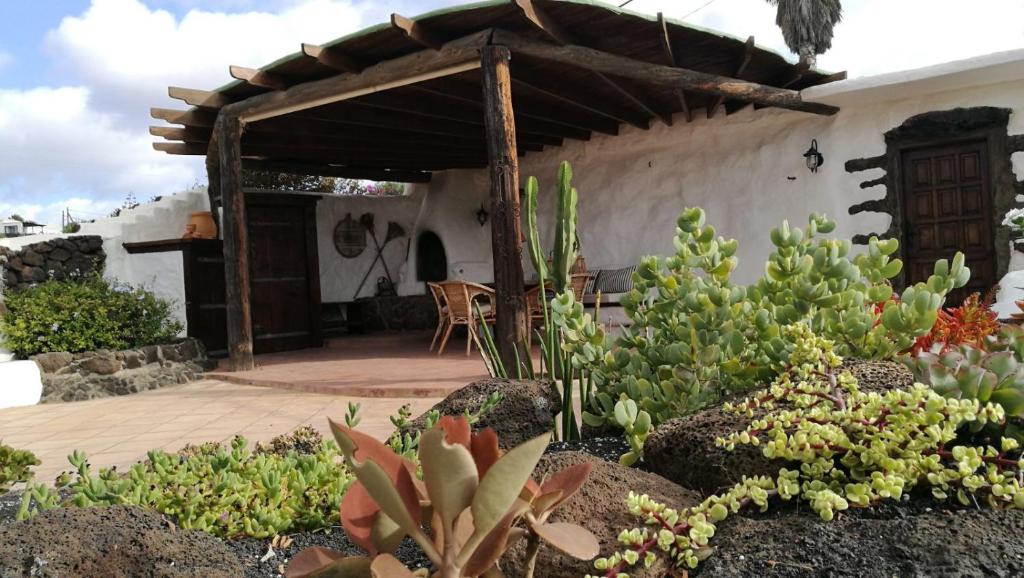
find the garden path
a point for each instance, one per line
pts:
(118, 431)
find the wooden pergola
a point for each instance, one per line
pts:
(469, 87)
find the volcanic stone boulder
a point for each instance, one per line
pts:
(527, 408)
(115, 542)
(600, 506)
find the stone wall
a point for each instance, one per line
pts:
(60, 258)
(105, 373)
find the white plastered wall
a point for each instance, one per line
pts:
(746, 170)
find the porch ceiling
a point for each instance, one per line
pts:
(578, 68)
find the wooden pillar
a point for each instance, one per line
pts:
(510, 330)
(236, 243)
(213, 181)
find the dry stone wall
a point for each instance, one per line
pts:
(62, 258)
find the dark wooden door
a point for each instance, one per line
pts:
(947, 203)
(285, 274)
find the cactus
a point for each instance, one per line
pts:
(472, 495)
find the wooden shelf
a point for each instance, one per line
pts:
(168, 245)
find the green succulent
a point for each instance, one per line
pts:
(15, 467)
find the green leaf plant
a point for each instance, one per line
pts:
(478, 502)
(571, 341)
(849, 449)
(15, 467)
(697, 336)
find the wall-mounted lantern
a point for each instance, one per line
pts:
(482, 215)
(814, 158)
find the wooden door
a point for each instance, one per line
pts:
(947, 205)
(285, 274)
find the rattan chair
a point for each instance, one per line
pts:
(460, 298)
(535, 298)
(442, 311)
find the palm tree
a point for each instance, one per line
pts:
(807, 26)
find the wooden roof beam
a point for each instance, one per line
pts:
(202, 118)
(200, 98)
(258, 78)
(547, 24)
(748, 53)
(416, 32)
(454, 57)
(670, 59)
(418, 158)
(660, 75)
(187, 134)
(343, 172)
(334, 58)
(578, 98)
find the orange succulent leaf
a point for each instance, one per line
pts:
(358, 512)
(387, 566)
(487, 553)
(485, 450)
(319, 562)
(361, 447)
(568, 482)
(969, 324)
(571, 539)
(456, 429)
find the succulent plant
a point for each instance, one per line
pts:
(15, 467)
(471, 493)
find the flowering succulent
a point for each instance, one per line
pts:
(972, 323)
(853, 449)
(471, 493)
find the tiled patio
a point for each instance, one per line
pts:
(378, 365)
(120, 430)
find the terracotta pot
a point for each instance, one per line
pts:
(205, 228)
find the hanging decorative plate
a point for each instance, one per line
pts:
(349, 237)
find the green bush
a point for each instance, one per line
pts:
(14, 467)
(85, 315)
(226, 491)
(697, 336)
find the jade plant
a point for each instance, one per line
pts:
(478, 502)
(226, 491)
(570, 340)
(15, 467)
(853, 449)
(697, 336)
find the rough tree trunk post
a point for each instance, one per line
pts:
(510, 330)
(236, 243)
(213, 183)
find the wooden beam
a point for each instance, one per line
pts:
(203, 118)
(670, 59)
(454, 57)
(575, 96)
(748, 53)
(506, 245)
(187, 134)
(416, 32)
(380, 156)
(200, 98)
(661, 75)
(258, 78)
(236, 245)
(334, 58)
(344, 172)
(549, 26)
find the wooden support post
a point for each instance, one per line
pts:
(236, 243)
(510, 330)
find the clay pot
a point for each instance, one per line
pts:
(205, 228)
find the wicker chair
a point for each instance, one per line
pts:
(535, 298)
(461, 309)
(442, 311)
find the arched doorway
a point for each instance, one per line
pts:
(431, 260)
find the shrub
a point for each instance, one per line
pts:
(697, 336)
(226, 491)
(85, 315)
(14, 467)
(853, 449)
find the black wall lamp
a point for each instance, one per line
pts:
(482, 215)
(814, 158)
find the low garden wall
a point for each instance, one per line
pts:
(105, 373)
(61, 258)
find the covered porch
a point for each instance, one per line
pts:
(471, 88)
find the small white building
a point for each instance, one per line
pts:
(11, 228)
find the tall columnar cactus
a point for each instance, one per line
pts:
(563, 252)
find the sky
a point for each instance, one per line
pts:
(77, 77)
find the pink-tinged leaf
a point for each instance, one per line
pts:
(486, 554)
(543, 504)
(358, 512)
(359, 446)
(568, 481)
(449, 474)
(456, 429)
(323, 563)
(530, 491)
(576, 541)
(485, 450)
(387, 566)
(387, 535)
